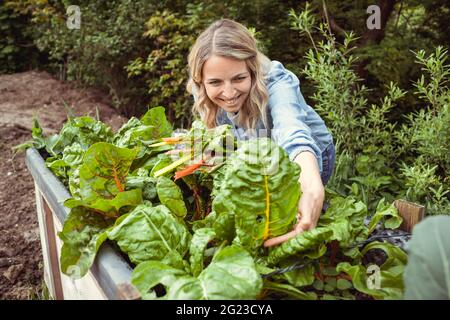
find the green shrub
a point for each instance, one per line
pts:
(377, 157)
(164, 69)
(17, 52)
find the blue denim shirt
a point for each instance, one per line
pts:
(294, 125)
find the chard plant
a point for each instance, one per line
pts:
(198, 228)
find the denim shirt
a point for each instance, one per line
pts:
(293, 124)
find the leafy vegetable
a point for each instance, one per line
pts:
(427, 274)
(170, 195)
(199, 242)
(230, 275)
(250, 191)
(201, 236)
(83, 233)
(152, 233)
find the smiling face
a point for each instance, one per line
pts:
(227, 82)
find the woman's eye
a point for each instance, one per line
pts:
(240, 78)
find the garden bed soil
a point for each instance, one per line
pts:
(23, 96)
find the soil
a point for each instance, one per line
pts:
(23, 96)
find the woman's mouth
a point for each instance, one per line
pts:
(230, 102)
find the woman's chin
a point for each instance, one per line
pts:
(227, 108)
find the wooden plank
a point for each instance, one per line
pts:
(411, 213)
(44, 245)
(127, 291)
(52, 251)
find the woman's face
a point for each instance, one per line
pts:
(227, 82)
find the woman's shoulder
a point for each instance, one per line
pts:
(279, 74)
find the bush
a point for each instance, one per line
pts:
(378, 157)
(164, 70)
(17, 52)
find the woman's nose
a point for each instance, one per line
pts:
(229, 91)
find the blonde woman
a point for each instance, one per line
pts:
(234, 83)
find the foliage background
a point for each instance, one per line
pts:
(383, 93)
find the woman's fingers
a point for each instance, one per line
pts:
(285, 237)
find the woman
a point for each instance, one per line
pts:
(234, 83)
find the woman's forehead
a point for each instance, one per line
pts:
(217, 67)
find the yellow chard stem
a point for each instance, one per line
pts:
(172, 166)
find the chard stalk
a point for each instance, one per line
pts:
(172, 166)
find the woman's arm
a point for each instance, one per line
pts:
(289, 113)
(311, 201)
(313, 191)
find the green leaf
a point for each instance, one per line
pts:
(143, 182)
(384, 282)
(156, 118)
(109, 207)
(302, 242)
(163, 161)
(289, 290)
(300, 277)
(393, 221)
(170, 195)
(260, 188)
(343, 222)
(199, 242)
(152, 233)
(149, 274)
(318, 284)
(85, 131)
(343, 284)
(230, 275)
(104, 170)
(427, 274)
(83, 233)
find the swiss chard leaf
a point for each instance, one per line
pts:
(103, 173)
(303, 242)
(152, 233)
(230, 275)
(85, 131)
(384, 282)
(170, 195)
(83, 233)
(289, 290)
(199, 242)
(109, 207)
(142, 181)
(156, 118)
(260, 188)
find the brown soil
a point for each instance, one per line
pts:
(23, 96)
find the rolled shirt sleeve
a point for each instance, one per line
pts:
(289, 112)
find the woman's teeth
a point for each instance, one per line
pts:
(231, 101)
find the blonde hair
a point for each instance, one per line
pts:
(227, 38)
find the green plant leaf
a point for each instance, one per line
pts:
(156, 118)
(152, 233)
(300, 277)
(302, 242)
(83, 233)
(170, 195)
(230, 275)
(289, 290)
(109, 207)
(85, 131)
(384, 282)
(427, 274)
(393, 219)
(197, 247)
(261, 189)
(104, 171)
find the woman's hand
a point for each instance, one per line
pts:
(311, 201)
